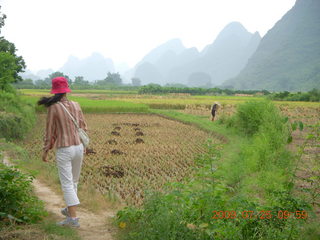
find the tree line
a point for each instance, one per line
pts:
(310, 96)
(112, 81)
(157, 89)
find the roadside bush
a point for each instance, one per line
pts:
(17, 201)
(250, 116)
(16, 117)
(263, 154)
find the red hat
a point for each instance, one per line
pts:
(60, 85)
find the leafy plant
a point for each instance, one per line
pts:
(17, 201)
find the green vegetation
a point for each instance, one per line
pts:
(16, 117)
(56, 232)
(46, 229)
(288, 57)
(10, 63)
(251, 174)
(96, 106)
(202, 123)
(22, 215)
(17, 202)
(41, 92)
(112, 81)
(116, 101)
(157, 89)
(109, 106)
(311, 96)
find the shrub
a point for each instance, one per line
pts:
(263, 156)
(252, 115)
(17, 201)
(16, 117)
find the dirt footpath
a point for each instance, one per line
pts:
(92, 226)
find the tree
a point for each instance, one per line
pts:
(136, 82)
(2, 18)
(25, 84)
(57, 74)
(113, 79)
(42, 84)
(79, 80)
(10, 64)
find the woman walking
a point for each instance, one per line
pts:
(62, 134)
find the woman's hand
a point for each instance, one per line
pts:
(45, 156)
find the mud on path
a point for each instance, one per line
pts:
(92, 226)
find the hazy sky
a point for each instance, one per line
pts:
(46, 32)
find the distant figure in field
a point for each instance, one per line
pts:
(214, 109)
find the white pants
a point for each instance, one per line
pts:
(69, 161)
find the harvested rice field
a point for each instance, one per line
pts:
(130, 153)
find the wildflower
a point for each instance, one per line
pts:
(122, 225)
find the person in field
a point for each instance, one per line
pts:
(214, 110)
(62, 134)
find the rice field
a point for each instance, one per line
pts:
(309, 114)
(134, 151)
(104, 101)
(131, 153)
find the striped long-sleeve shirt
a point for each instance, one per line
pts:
(60, 130)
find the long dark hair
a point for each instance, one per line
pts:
(48, 101)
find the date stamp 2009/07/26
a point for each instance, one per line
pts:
(259, 214)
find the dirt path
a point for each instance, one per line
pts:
(93, 226)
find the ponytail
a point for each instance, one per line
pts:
(48, 101)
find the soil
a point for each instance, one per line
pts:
(112, 141)
(115, 133)
(113, 171)
(139, 140)
(90, 151)
(116, 152)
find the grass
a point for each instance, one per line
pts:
(153, 101)
(198, 121)
(109, 106)
(181, 102)
(47, 229)
(96, 106)
(42, 92)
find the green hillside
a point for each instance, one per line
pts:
(288, 57)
